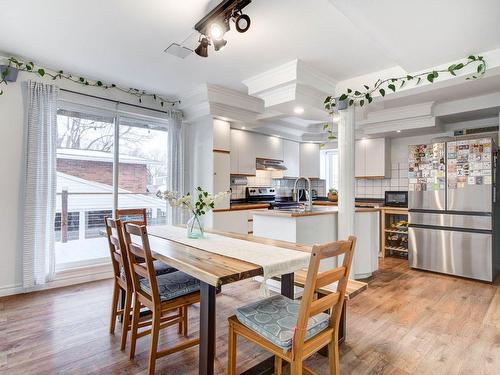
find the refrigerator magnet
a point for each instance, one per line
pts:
(471, 180)
(487, 180)
(479, 180)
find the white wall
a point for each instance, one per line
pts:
(11, 167)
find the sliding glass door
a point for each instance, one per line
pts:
(104, 161)
(142, 168)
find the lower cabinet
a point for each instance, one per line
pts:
(231, 221)
(237, 221)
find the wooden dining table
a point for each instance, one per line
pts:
(213, 271)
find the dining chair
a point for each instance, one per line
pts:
(139, 216)
(294, 330)
(122, 280)
(161, 294)
(132, 215)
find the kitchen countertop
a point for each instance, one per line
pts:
(331, 210)
(243, 206)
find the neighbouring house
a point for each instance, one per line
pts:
(97, 166)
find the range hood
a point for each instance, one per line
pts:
(269, 165)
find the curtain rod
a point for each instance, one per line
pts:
(115, 101)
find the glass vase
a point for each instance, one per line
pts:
(195, 227)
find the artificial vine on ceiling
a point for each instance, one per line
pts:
(30, 67)
(362, 97)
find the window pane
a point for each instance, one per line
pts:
(84, 188)
(142, 168)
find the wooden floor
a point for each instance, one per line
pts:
(407, 322)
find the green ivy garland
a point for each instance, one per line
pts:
(382, 86)
(31, 68)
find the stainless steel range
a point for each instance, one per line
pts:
(262, 194)
(453, 207)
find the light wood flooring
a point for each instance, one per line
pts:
(407, 322)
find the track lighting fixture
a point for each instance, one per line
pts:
(202, 49)
(219, 44)
(242, 23)
(215, 24)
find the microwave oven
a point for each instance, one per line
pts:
(396, 199)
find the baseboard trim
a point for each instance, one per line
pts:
(64, 278)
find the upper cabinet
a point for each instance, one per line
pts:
(373, 158)
(291, 158)
(268, 147)
(242, 153)
(221, 135)
(309, 160)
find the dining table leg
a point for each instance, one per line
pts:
(207, 329)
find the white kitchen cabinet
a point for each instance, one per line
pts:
(359, 158)
(221, 176)
(231, 221)
(242, 152)
(291, 158)
(373, 158)
(309, 160)
(221, 135)
(268, 147)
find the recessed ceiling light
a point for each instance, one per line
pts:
(398, 131)
(243, 127)
(298, 110)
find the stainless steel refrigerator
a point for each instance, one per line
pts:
(453, 207)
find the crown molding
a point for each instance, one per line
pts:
(400, 124)
(398, 113)
(293, 72)
(220, 102)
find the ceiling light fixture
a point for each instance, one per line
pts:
(242, 23)
(398, 131)
(202, 49)
(215, 24)
(219, 44)
(298, 110)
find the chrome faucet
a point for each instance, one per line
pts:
(308, 205)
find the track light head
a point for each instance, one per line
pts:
(202, 49)
(219, 44)
(242, 23)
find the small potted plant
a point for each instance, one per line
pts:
(198, 204)
(332, 195)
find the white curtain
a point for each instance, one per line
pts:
(40, 126)
(175, 180)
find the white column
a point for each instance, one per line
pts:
(346, 143)
(346, 191)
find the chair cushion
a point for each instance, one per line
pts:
(274, 318)
(162, 268)
(173, 285)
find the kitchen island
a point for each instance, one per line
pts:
(320, 226)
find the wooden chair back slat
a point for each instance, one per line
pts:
(117, 248)
(323, 304)
(132, 215)
(141, 270)
(334, 249)
(329, 277)
(332, 302)
(141, 261)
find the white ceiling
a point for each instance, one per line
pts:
(122, 41)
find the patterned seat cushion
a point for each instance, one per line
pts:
(160, 268)
(274, 318)
(173, 285)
